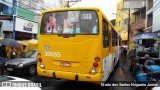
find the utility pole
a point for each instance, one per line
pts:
(67, 5)
(129, 28)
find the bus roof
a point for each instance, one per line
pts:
(72, 8)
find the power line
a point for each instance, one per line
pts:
(26, 6)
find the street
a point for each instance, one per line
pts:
(121, 73)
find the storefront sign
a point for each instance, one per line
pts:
(28, 26)
(149, 35)
(24, 25)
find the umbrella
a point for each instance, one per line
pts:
(9, 42)
(22, 42)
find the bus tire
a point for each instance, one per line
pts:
(117, 65)
(114, 65)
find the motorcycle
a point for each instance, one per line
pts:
(153, 80)
(144, 76)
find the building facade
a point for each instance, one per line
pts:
(138, 25)
(156, 20)
(119, 22)
(26, 17)
(122, 17)
(7, 8)
(141, 23)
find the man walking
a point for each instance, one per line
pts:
(125, 53)
(3, 55)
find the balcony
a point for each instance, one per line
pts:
(149, 7)
(138, 25)
(149, 11)
(149, 4)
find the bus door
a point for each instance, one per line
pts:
(106, 52)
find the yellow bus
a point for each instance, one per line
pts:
(77, 44)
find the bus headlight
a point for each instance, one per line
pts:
(42, 65)
(20, 65)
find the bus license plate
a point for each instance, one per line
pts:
(10, 69)
(65, 64)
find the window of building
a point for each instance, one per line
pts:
(125, 21)
(114, 38)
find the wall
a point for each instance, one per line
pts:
(156, 16)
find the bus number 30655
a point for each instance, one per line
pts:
(52, 54)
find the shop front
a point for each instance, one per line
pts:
(25, 29)
(147, 39)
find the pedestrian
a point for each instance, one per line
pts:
(23, 50)
(3, 55)
(157, 52)
(125, 53)
(135, 53)
(132, 57)
(148, 62)
(13, 53)
(131, 54)
(122, 51)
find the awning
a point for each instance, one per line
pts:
(147, 35)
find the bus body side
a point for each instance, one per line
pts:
(111, 51)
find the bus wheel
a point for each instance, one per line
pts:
(117, 64)
(114, 65)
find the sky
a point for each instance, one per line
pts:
(107, 6)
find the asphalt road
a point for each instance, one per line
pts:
(120, 74)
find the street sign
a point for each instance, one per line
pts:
(133, 4)
(6, 17)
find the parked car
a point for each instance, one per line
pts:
(27, 63)
(10, 83)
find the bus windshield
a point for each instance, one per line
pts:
(70, 22)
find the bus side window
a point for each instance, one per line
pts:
(105, 34)
(114, 37)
